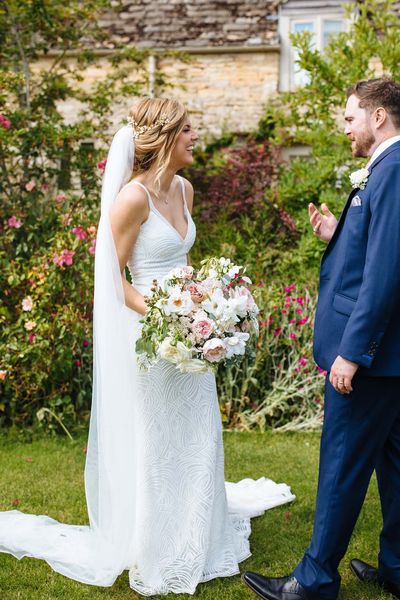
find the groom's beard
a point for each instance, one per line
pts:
(363, 143)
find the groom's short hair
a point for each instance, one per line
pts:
(374, 93)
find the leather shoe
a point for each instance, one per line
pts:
(269, 588)
(369, 574)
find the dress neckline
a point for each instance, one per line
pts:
(157, 212)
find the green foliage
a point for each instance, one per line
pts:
(282, 388)
(49, 187)
(312, 116)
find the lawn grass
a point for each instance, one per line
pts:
(46, 477)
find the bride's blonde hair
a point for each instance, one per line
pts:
(156, 123)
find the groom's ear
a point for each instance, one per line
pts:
(380, 116)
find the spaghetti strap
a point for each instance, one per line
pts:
(183, 191)
(145, 189)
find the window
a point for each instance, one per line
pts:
(321, 27)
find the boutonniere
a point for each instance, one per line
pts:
(359, 179)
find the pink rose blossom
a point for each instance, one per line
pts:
(203, 328)
(78, 364)
(277, 331)
(3, 374)
(60, 197)
(65, 258)
(292, 321)
(85, 343)
(4, 122)
(187, 271)
(79, 232)
(92, 230)
(30, 186)
(102, 164)
(293, 336)
(45, 187)
(92, 248)
(302, 361)
(14, 223)
(214, 350)
(300, 300)
(27, 304)
(29, 325)
(299, 311)
(32, 338)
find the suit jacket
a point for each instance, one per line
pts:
(358, 310)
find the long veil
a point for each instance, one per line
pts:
(98, 553)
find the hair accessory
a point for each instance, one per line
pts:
(138, 131)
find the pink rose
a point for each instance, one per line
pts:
(29, 325)
(3, 374)
(214, 350)
(4, 122)
(102, 164)
(203, 328)
(30, 186)
(92, 230)
(197, 292)
(65, 258)
(187, 271)
(92, 248)
(27, 304)
(14, 223)
(79, 232)
(60, 197)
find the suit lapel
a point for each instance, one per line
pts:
(340, 223)
(392, 148)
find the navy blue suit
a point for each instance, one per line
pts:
(358, 318)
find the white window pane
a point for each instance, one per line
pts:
(301, 77)
(331, 27)
(299, 27)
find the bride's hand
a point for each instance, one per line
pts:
(323, 223)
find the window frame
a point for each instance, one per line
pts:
(286, 27)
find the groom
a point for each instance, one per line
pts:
(357, 340)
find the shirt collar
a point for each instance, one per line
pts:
(381, 148)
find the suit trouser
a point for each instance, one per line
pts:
(361, 433)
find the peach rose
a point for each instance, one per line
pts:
(197, 292)
(214, 350)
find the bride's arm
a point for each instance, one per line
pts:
(127, 214)
(189, 193)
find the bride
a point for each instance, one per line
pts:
(154, 476)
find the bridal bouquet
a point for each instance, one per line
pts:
(198, 319)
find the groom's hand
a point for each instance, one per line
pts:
(323, 223)
(341, 375)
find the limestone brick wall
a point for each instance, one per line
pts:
(225, 91)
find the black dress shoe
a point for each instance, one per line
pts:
(369, 574)
(281, 588)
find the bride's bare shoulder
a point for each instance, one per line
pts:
(131, 204)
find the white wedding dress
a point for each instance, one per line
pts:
(177, 522)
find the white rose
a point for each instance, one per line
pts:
(195, 365)
(359, 179)
(173, 354)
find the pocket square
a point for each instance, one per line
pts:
(356, 201)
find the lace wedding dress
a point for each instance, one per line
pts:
(158, 506)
